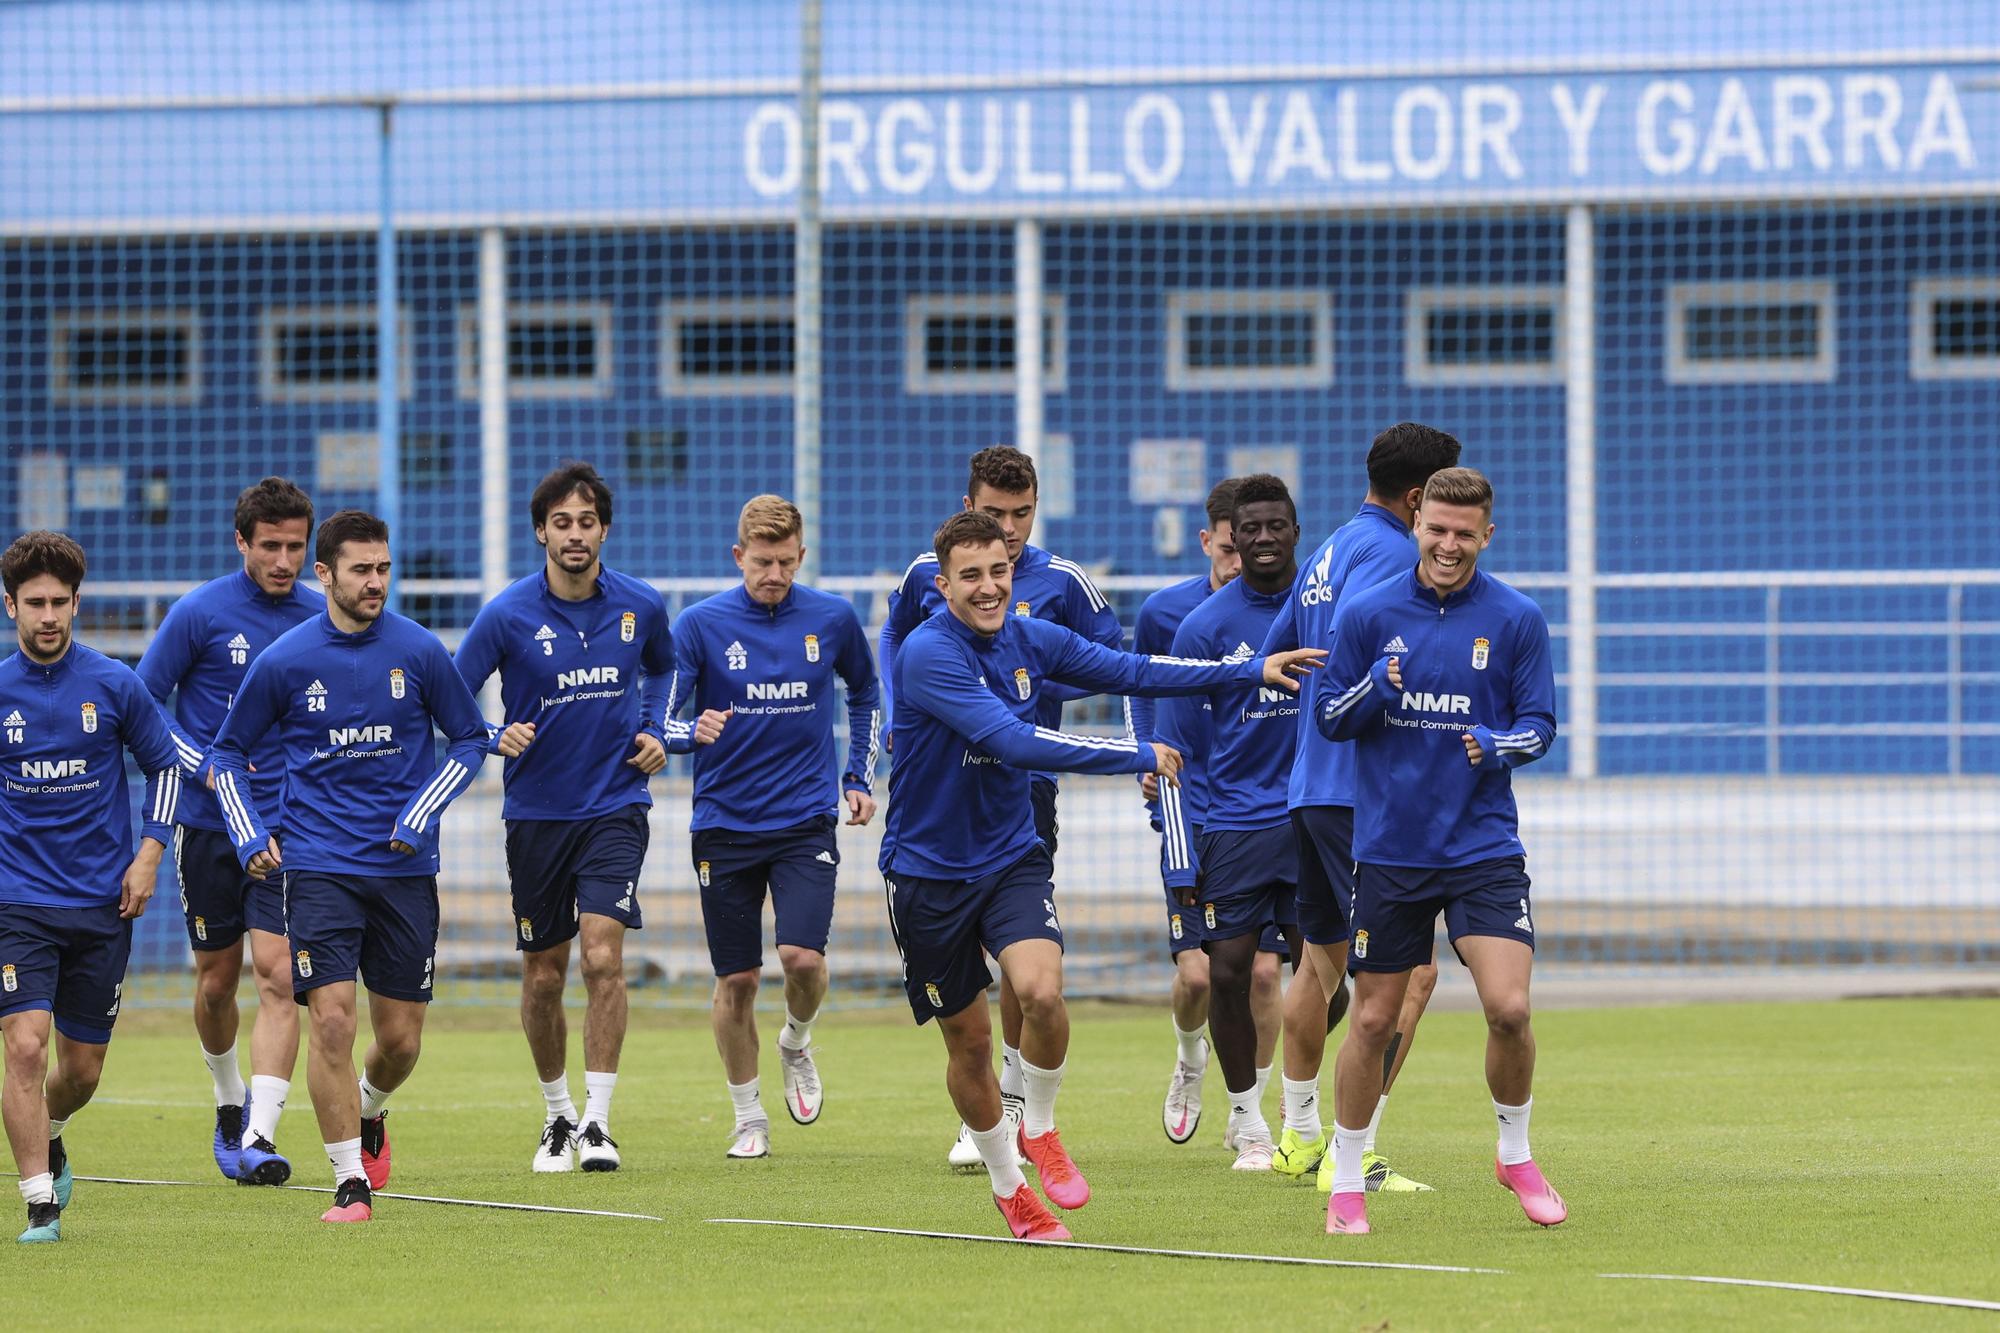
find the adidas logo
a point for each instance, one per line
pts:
(738, 659)
(315, 688)
(1396, 645)
(544, 633)
(14, 719)
(1521, 923)
(1242, 652)
(239, 642)
(624, 904)
(826, 857)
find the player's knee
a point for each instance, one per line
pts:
(1371, 1022)
(82, 1075)
(215, 988)
(1508, 1017)
(603, 963)
(541, 984)
(1230, 969)
(26, 1047)
(736, 990)
(1193, 986)
(1423, 983)
(1040, 995)
(400, 1045)
(801, 963)
(333, 1028)
(1266, 972)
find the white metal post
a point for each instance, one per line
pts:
(1028, 337)
(1580, 487)
(806, 276)
(494, 520)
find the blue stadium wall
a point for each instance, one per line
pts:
(1871, 471)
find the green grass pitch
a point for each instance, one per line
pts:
(1846, 1143)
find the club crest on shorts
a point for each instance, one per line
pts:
(201, 928)
(932, 994)
(1480, 648)
(812, 647)
(1360, 944)
(1022, 685)
(304, 963)
(1208, 915)
(395, 682)
(8, 981)
(701, 871)
(527, 931)
(1174, 924)
(90, 717)
(628, 626)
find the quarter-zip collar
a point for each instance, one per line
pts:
(745, 602)
(1428, 595)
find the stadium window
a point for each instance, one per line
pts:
(1751, 333)
(1483, 335)
(1249, 340)
(326, 354)
(125, 356)
(727, 347)
(965, 344)
(555, 349)
(1955, 328)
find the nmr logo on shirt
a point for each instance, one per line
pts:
(607, 675)
(777, 689)
(1437, 703)
(44, 770)
(358, 735)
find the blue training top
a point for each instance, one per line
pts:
(591, 676)
(353, 713)
(65, 811)
(200, 655)
(1476, 663)
(774, 666)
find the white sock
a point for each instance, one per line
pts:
(556, 1100)
(1010, 1071)
(346, 1159)
(1246, 1115)
(1263, 1082)
(38, 1189)
(56, 1127)
(1513, 1132)
(373, 1099)
(797, 1033)
(744, 1097)
(228, 1078)
(1302, 1108)
(1347, 1150)
(1375, 1121)
(267, 1103)
(1041, 1087)
(1193, 1053)
(996, 1149)
(597, 1099)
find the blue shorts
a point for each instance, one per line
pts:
(69, 961)
(1325, 835)
(944, 926)
(1396, 910)
(1042, 796)
(734, 867)
(1249, 878)
(561, 867)
(378, 929)
(1187, 926)
(218, 899)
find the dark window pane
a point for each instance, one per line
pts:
(714, 348)
(1966, 326)
(425, 459)
(552, 349)
(137, 357)
(337, 354)
(1759, 331)
(656, 457)
(1489, 335)
(979, 344)
(1250, 340)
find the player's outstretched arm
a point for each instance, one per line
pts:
(1076, 659)
(941, 683)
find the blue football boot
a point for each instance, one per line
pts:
(229, 1122)
(261, 1164)
(44, 1224)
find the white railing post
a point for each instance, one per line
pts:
(1580, 487)
(1028, 337)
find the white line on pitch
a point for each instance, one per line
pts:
(490, 1203)
(1914, 1298)
(1114, 1249)
(126, 1180)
